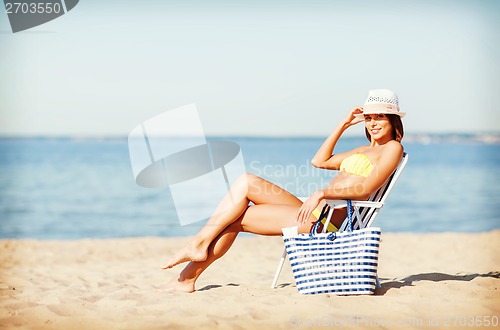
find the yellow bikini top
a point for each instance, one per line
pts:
(357, 164)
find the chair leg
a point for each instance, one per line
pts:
(278, 271)
(378, 282)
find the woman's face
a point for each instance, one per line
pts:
(378, 126)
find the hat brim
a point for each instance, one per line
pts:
(385, 112)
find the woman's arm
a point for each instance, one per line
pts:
(386, 165)
(324, 157)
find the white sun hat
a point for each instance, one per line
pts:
(381, 101)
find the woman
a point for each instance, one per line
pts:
(362, 171)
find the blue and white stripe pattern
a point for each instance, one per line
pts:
(343, 263)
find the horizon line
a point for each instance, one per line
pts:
(269, 136)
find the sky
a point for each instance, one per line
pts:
(264, 68)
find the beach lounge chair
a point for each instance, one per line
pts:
(365, 212)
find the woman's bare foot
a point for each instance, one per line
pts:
(178, 285)
(191, 252)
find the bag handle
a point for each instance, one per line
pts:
(315, 228)
(349, 216)
(324, 212)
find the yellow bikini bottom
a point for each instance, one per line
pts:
(331, 227)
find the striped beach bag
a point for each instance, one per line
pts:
(342, 263)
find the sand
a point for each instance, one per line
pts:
(437, 281)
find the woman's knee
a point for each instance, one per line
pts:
(257, 186)
(248, 180)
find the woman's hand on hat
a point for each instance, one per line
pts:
(351, 119)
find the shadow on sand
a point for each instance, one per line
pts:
(434, 277)
(215, 286)
(394, 283)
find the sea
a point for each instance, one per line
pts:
(73, 188)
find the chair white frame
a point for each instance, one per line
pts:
(365, 212)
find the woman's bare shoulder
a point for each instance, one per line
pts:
(393, 149)
(394, 145)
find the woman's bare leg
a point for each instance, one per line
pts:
(264, 219)
(249, 188)
(185, 281)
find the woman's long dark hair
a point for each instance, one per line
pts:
(397, 128)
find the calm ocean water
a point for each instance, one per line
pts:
(65, 188)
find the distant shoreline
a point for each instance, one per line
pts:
(423, 138)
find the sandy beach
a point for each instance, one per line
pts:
(447, 280)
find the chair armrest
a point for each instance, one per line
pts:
(376, 206)
(339, 203)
